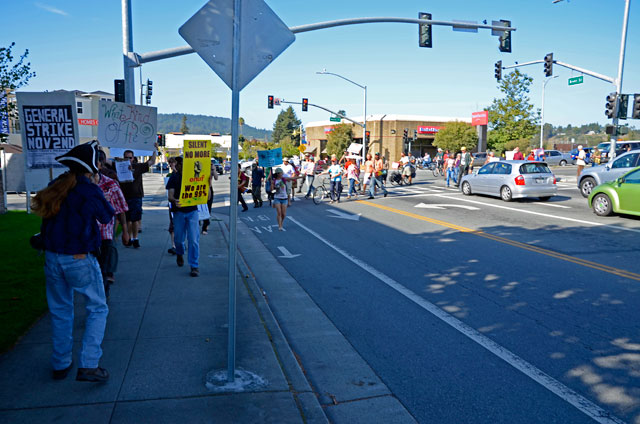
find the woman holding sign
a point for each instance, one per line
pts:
(280, 197)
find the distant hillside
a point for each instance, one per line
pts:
(202, 124)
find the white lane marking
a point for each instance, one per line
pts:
(552, 205)
(407, 190)
(444, 206)
(579, 221)
(286, 254)
(582, 404)
(344, 215)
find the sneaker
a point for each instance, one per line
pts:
(180, 260)
(128, 244)
(171, 250)
(136, 243)
(195, 272)
(385, 194)
(61, 374)
(92, 374)
(370, 197)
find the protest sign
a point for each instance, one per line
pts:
(123, 169)
(196, 170)
(49, 127)
(4, 116)
(269, 158)
(127, 126)
(354, 148)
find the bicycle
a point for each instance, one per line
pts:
(437, 169)
(320, 191)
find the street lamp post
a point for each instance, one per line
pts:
(364, 117)
(544, 84)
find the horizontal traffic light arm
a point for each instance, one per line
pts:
(566, 65)
(136, 59)
(324, 108)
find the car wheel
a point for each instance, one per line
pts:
(544, 198)
(505, 193)
(586, 186)
(466, 188)
(563, 162)
(601, 204)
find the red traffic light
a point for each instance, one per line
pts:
(270, 102)
(305, 105)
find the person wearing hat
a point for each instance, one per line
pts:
(71, 207)
(465, 164)
(581, 159)
(280, 196)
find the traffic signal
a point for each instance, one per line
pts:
(367, 136)
(118, 90)
(610, 112)
(635, 111)
(623, 106)
(505, 38)
(415, 135)
(305, 105)
(149, 91)
(548, 65)
(270, 102)
(498, 71)
(424, 31)
(405, 137)
(160, 140)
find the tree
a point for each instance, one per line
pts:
(339, 139)
(183, 127)
(512, 117)
(12, 77)
(288, 146)
(285, 124)
(456, 134)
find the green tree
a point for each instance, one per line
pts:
(12, 76)
(285, 124)
(339, 139)
(512, 117)
(288, 146)
(456, 134)
(183, 127)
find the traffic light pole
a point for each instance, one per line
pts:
(325, 109)
(544, 84)
(618, 82)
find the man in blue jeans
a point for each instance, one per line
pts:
(185, 222)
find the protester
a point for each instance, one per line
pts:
(289, 173)
(212, 176)
(108, 258)
(309, 170)
(257, 175)
(185, 222)
(172, 167)
(134, 192)
(450, 166)
(465, 164)
(378, 167)
(280, 197)
(517, 154)
(368, 172)
(243, 182)
(581, 160)
(71, 207)
(352, 173)
(335, 179)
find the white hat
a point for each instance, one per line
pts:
(580, 147)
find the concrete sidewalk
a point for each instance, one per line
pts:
(165, 332)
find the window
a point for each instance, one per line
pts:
(553, 153)
(79, 107)
(633, 177)
(534, 168)
(626, 161)
(487, 168)
(502, 168)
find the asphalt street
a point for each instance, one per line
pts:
(471, 309)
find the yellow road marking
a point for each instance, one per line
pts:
(609, 269)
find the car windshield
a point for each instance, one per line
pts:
(534, 168)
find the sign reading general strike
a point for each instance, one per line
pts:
(196, 169)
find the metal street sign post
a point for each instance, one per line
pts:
(576, 80)
(258, 37)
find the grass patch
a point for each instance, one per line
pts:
(22, 285)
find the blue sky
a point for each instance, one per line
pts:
(75, 44)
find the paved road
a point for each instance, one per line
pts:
(471, 309)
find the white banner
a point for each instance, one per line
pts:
(127, 126)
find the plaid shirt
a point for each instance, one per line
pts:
(114, 196)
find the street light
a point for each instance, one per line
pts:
(364, 123)
(542, 117)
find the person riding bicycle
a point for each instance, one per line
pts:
(440, 158)
(335, 176)
(426, 160)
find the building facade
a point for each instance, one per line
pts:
(386, 134)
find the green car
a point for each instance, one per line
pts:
(619, 196)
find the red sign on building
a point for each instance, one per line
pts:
(88, 122)
(428, 130)
(480, 118)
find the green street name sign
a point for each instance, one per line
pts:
(335, 119)
(576, 80)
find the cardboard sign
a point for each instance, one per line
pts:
(270, 158)
(49, 127)
(196, 170)
(127, 126)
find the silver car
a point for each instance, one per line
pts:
(511, 179)
(591, 177)
(556, 157)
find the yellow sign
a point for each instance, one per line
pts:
(302, 148)
(196, 170)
